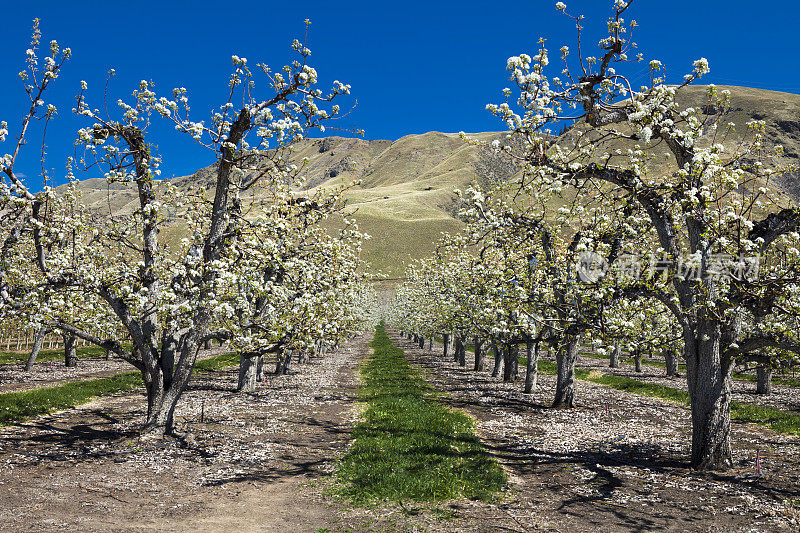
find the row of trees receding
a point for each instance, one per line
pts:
(153, 288)
(646, 224)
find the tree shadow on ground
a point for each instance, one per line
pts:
(582, 484)
(307, 468)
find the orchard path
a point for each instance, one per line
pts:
(256, 462)
(617, 462)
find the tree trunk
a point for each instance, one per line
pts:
(163, 391)
(764, 383)
(284, 362)
(709, 379)
(614, 362)
(248, 372)
(430, 343)
(637, 362)
(566, 358)
(510, 362)
(671, 362)
(37, 346)
(461, 351)
(446, 345)
(498, 359)
(260, 368)
(70, 355)
(421, 342)
(532, 366)
(160, 409)
(478, 354)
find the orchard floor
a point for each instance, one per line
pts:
(256, 462)
(617, 462)
(263, 462)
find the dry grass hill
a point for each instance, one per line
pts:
(405, 199)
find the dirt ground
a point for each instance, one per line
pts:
(251, 462)
(618, 462)
(262, 462)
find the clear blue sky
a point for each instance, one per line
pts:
(414, 66)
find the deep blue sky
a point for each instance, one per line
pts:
(414, 66)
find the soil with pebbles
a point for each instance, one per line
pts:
(617, 462)
(255, 461)
(262, 461)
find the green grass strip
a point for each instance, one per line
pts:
(44, 356)
(21, 405)
(775, 419)
(217, 362)
(408, 446)
(17, 406)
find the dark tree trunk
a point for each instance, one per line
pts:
(461, 351)
(532, 366)
(478, 354)
(37, 346)
(248, 372)
(70, 354)
(566, 358)
(637, 361)
(446, 345)
(708, 376)
(614, 361)
(421, 342)
(510, 362)
(284, 362)
(430, 343)
(160, 410)
(164, 388)
(671, 362)
(260, 368)
(764, 382)
(498, 359)
(108, 355)
(207, 344)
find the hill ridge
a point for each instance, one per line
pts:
(405, 199)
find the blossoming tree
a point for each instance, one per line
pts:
(168, 299)
(709, 209)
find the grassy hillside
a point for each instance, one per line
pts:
(405, 199)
